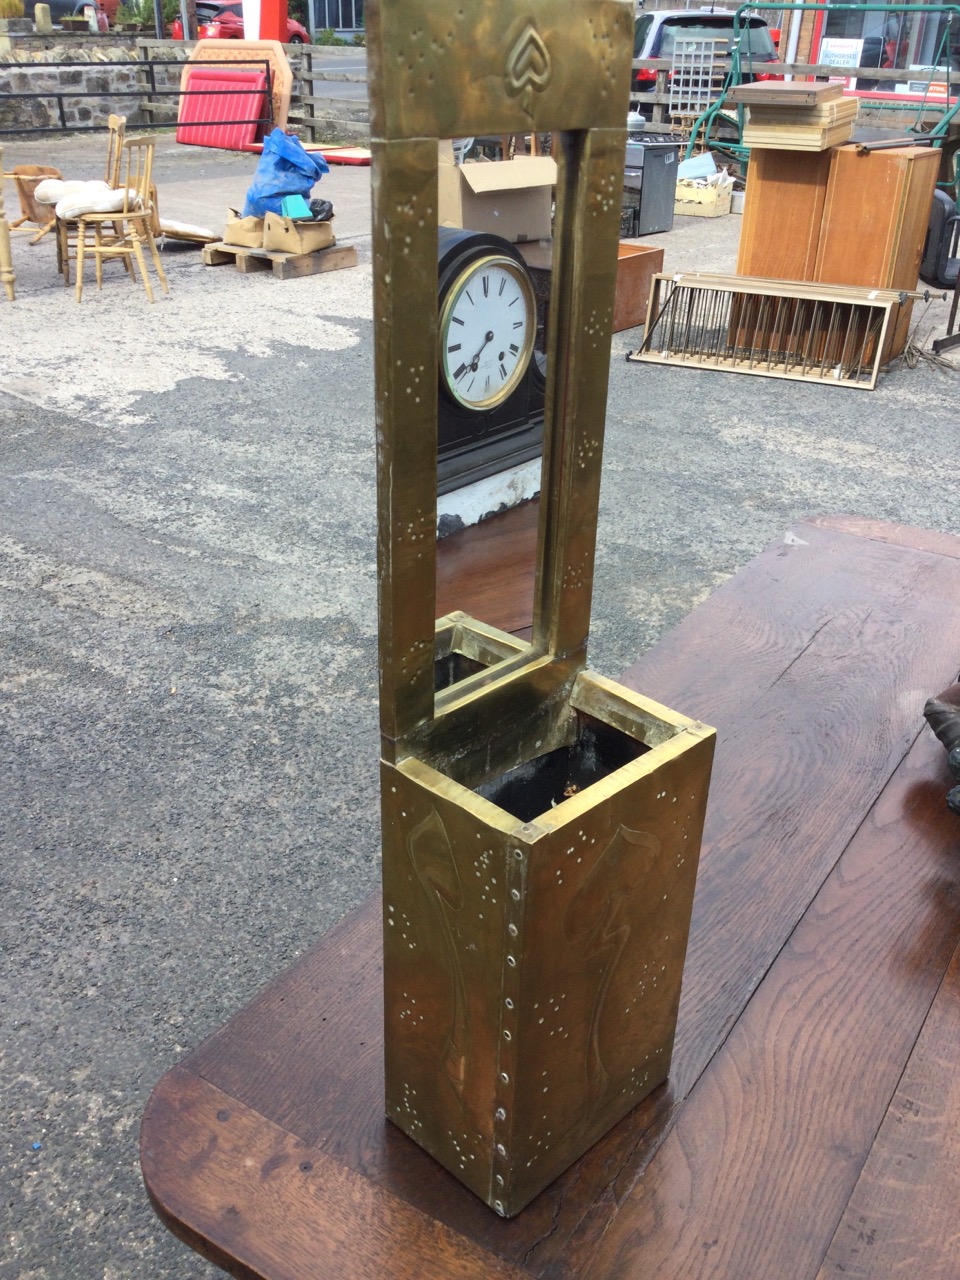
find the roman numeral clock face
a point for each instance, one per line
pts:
(487, 329)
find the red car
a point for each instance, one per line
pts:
(225, 22)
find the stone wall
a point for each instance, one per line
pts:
(83, 70)
(113, 64)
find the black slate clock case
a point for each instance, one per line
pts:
(475, 443)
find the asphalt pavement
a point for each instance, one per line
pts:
(188, 682)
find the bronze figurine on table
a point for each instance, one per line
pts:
(942, 714)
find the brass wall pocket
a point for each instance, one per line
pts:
(541, 824)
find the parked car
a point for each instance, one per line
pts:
(225, 22)
(655, 36)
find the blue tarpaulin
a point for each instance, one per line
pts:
(285, 169)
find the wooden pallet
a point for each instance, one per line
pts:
(285, 266)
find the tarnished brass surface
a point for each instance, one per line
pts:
(541, 825)
(533, 968)
(7, 278)
(495, 66)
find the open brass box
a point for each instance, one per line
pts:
(535, 927)
(541, 825)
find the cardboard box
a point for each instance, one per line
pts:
(287, 236)
(245, 231)
(637, 264)
(508, 198)
(537, 254)
(702, 202)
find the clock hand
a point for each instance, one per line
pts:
(475, 362)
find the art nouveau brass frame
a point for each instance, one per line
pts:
(541, 825)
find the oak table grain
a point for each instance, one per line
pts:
(810, 1124)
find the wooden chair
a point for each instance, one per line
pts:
(122, 233)
(25, 178)
(515, 144)
(67, 228)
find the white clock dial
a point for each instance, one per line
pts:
(487, 329)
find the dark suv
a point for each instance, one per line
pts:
(656, 33)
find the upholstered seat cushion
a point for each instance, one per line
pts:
(185, 231)
(222, 107)
(93, 197)
(50, 190)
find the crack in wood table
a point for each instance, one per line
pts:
(810, 1124)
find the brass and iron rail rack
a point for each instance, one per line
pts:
(777, 329)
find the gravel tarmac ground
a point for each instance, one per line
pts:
(188, 624)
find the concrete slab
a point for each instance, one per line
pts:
(187, 568)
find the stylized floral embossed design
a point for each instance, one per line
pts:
(597, 922)
(528, 66)
(436, 868)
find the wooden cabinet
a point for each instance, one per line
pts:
(875, 218)
(782, 214)
(840, 217)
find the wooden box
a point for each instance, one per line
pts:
(637, 264)
(702, 202)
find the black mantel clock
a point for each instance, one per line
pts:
(491, 377)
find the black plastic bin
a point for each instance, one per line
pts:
(651, 169)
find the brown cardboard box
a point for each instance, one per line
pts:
(296, 237)
(509, 198)
(637, 264)
(245, 231)
(702, 202)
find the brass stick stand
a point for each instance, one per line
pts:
(7, 277)
(541, 825)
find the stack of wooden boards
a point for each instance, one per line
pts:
(795, 116)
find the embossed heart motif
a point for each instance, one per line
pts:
(528, 66)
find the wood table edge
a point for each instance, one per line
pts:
(372, 1252)
(898, 535)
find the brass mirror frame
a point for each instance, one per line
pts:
(494, 924)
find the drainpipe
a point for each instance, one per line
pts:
(793, 39)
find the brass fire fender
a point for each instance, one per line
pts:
(534, 935)
(807, 332)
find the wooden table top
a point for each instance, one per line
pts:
(811, 1123)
